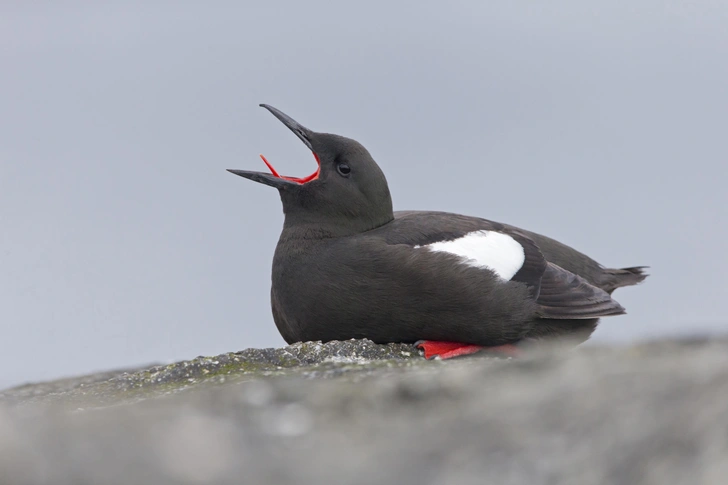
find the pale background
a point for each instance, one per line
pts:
(124, 241)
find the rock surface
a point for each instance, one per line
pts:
(358, 413)
(305, 359)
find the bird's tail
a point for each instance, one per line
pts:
(611, 279)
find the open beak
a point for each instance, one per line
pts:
(301, 131)
(263, 178)
(274, 179)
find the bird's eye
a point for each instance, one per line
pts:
(343, 169)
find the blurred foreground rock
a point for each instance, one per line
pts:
(358, 413)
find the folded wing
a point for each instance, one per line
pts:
(565, 295)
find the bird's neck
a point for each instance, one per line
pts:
(296, 227)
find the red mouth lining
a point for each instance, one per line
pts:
(301, 181)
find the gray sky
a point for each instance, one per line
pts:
(123, 240)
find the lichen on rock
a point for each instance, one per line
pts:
(313, 359)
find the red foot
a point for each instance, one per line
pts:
(448, 350)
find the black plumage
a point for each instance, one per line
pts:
(348, 266)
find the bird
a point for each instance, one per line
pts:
(347, 266)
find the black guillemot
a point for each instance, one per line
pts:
(348, 266)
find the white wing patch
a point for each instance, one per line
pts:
(495, 251)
